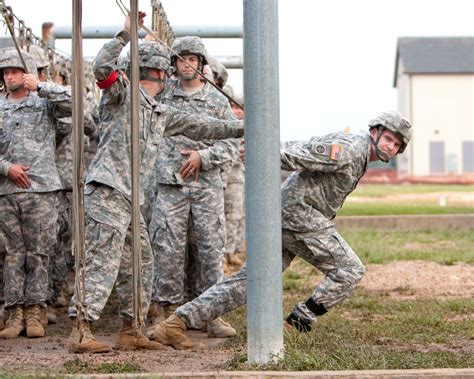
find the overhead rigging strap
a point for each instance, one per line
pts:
(125, 11)
(135, 132)
(78, 156)
(8, 16)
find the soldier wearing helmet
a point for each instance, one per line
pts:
(219, 72)
(42, 63)
(108, 190)
(193, 188)
(393, 122)
(192, 53)
(29, 182)
(234, 196)
(325, 171)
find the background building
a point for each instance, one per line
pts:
(435, 82)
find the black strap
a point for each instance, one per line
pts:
(317, 309)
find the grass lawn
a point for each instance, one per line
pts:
(380, 190)
(406, 199)
(381, 209)
(372, 330)
(442, 246)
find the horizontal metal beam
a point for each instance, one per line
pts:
(231, 61)
(203, 31)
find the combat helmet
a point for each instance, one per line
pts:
(40, 57)
(394, 122)
(189, 45)
(150, 55)
(9, 58)
(219, 72)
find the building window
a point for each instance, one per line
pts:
(467, 156)
(437, 157)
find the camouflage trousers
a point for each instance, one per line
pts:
(325, 249)
(61, 259)
(234, 215)
(108, 260)
(2, 260)
(170, 219)
(28, 222)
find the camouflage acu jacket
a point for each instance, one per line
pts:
(27, 137)
(215, 155)
(327, 169)
(112, 163)
(64, 148)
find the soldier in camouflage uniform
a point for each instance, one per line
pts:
(2, 298)
(29, 183)
(199, 199)
(326, 170)
(57, 259)
(108, 187)
(219, 72)
(234, 199)
(64, 163)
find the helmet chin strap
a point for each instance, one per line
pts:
(380, 155)
(151, 79)
(14, 88)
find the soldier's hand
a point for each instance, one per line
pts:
(192, 166)
(30, 82)
(242, 150)
(17, 174)
(141, 18)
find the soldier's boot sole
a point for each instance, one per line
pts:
(128, 342)
(93, 347)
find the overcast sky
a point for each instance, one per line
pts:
(336, 57)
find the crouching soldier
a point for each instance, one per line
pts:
(326, 170)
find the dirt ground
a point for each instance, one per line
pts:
(49, 354)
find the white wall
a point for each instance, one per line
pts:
(442, 110)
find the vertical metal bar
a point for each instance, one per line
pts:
(78, 155)
(262, 181)
(135, 133)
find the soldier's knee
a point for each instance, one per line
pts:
(359, 271)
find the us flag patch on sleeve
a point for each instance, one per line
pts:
(336, 151)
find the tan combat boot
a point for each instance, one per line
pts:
(169, 310)
(155, 313)
(33, 316)
(220, 329)
(81, 340)
(15, 323)
(127, 339)
(171, 333)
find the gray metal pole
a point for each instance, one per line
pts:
(78, 158)
(135, 161)
(262, 181)
(203, 31)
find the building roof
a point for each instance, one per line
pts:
(435, 55)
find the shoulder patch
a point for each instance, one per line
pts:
(336, 152)
(321, 149)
